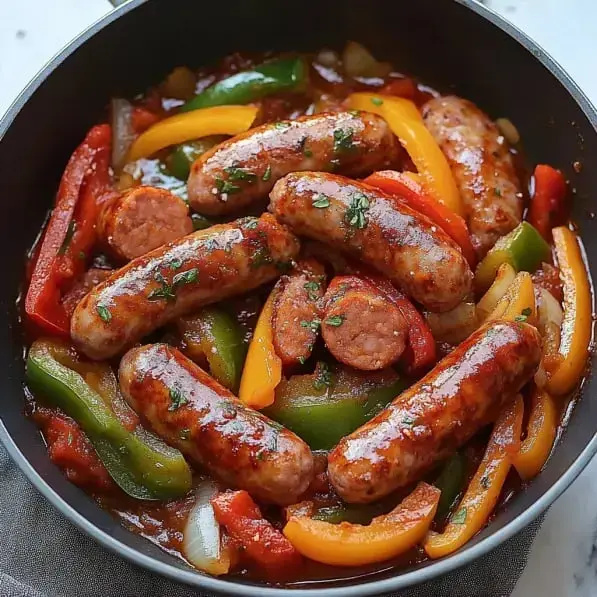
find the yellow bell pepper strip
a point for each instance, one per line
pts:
(221, 120)
(577, 326)
(485, 487)
(263, 367)
(348, 544)
(523, 248)
(518, 303)
(504, 277)
(406, 123)
(541, 433)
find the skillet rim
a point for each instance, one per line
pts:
(365, 588)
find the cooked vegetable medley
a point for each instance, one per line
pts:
(298, 316)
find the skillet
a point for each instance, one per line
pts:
(457, 46)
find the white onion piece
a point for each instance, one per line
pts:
(508, 130)
(122, 131)
(359, 62)
(454, 326)
(202, 540)
(550, 317)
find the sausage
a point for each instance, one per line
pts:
(482, 167)
(212, 428)
(295, 308)
(244, 169)
(142, 219)
(360, 326)
(434, 417)
(173, 280)
(402, 244)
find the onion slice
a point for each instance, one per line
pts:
(123, 134)
(202, 541)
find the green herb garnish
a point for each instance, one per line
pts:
(459, 517)
(335, 320)
(260, 257)
(283, 125)
(324, 377)
(312, 288)
(377, 101)
(320, 201)
(225, 187)
(177, 399)
(311, 325)
(235, 173)
(104, 313)
(187, 277)
(343, 141)
(267, 174)
(355, 214)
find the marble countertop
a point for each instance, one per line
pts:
(563, 561)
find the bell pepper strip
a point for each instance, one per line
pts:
(577, 326)
(547, 208)
(182, 156)
(523, 248)
(450, 482)
(287, 74)
(354, 513)
(387, 536)
(405, 121)
(200, 222)
(541, 433)
(485, 487)
(518, 303)
(70, 233)
(142, 119)
(262, 543)
(220, 340)
(143, 467)
(327, 405)
(488, 302)
(410, 191)
(263, 367)
(222, 120)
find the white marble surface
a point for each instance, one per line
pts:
(563, 562)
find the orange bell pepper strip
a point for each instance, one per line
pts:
(547, 208)
(263, 367)
(405, 120)
(485, 487)
(518, 302)
(70, 233)
(577, 325)
(408, 189)
(387, 536)
(541, 433)
(220, 120)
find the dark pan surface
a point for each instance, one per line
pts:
(454, 45)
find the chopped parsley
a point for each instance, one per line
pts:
(187, 277)
(168, 291)
(343, 141)
(307, 153)
(302, 360)
(104, 313)
(260, 257)
(377, 101)
(235, 173)
(175, 264)
(355, 214)
(226, 187)
(459, 517)
(524, 315)
(324, 377)
(302, 146)
(249, 223)
(320, 201)
(267, 174)
(335, 320)
(177, 399)
(311, 325)
(312, 288)
(408, 421)
(70, 231)
(282, 125)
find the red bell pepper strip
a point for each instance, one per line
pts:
(409, 191)
(548, 208)
(262, 543)
(420, 353)
(70, 233)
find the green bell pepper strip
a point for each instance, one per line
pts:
(356, 514)
(523, 248)
(200, 222)
(181, 158)
(287, 74)
(140, 464)
(450, 481)
(325, 406)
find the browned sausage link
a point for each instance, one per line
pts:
(402, 244)
(142, 219)
(437, 415)
(245, 168)
(192, 412)
(295, 311)
(482, 166)
(361, 328)
(174, 280)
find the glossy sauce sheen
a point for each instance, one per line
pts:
(208, 424)
(353, 143)
(219, 262)
(397, 241)
(434, 417)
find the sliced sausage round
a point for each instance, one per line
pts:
(434, 417)
(142, 219)
(178, 278)
(360, 326)
(295, 310)
(243, 169)
(215, 430)
(399, 242)
(482, 166)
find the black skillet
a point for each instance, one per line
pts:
(455, 45)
